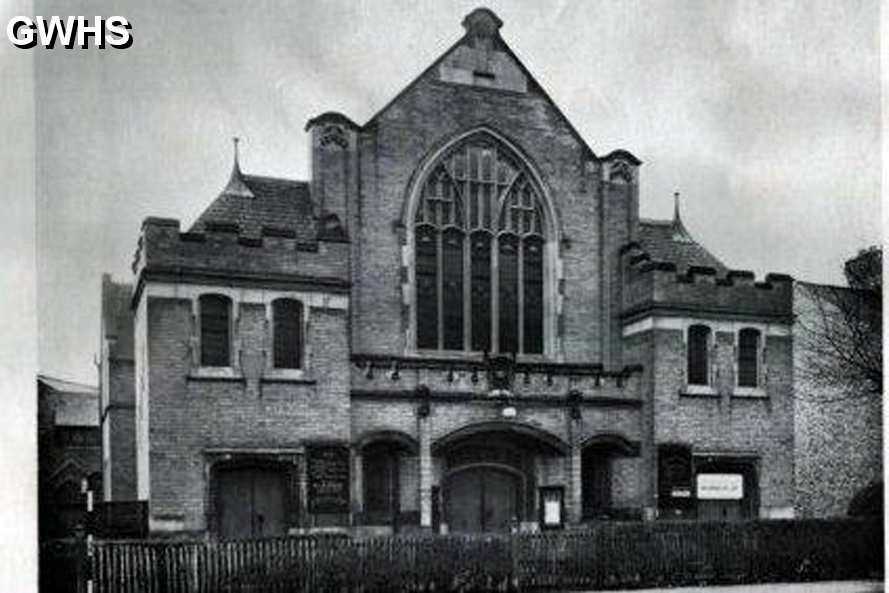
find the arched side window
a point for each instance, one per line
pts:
(749, 344)
(698, 355)
(215, 313)
(479, 240)
(287, 332)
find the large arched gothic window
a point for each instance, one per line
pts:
(479, 237)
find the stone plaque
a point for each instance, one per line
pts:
(328, 478)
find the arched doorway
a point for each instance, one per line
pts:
(601, 458)
(489, 478)
(483, 498)
(389, 468)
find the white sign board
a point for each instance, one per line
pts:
(552, 511)
(720, 486)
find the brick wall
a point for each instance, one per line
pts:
(191, 415)
(839, 433)
(120, 417)
(725, 423)
(425, 117)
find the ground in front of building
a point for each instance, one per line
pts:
(821, 587)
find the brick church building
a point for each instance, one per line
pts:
(459, 323)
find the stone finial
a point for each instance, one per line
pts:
(679, 233)
(482, 22)
(236, 185)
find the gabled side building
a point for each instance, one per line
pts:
(68, 452)
(458, 323)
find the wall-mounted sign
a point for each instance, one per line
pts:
(327, 471)
(552, 506)
(680, 492)
(720, 486)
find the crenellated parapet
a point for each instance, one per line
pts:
(222, 252)
(659, 287)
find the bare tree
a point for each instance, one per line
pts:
(839, 330)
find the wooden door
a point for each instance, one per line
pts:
(720, 510)
(462, 504)
(595, 481)
(252, 503)
(481, 499)
(498, 500)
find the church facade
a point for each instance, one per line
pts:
(459, 323)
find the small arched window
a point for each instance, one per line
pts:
(748, 357)
(215, 330)
(287, 318)
(698, 355)
(479, 243)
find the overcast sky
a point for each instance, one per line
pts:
(764, 115)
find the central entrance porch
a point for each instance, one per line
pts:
(490, 474)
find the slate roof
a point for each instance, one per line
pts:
(74, 404)
(117, 318)
(268, 202)
(668, 241)
(67, 386)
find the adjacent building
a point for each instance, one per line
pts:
(117, 392)
(838, 392)
(458, 323)
(68, 452)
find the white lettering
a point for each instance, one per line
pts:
(49, 30)
(20, 32)
(118, 32)
(96, 31)
(24, 32)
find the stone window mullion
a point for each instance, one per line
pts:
(439, 287)
(467, 289)
(520, 296)
(495, 293)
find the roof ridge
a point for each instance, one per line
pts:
(270, 178)
(83, 386)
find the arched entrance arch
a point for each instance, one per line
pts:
(388, 468)
(491, 472)
(602, 455)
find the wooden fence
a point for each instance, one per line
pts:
(607, 555)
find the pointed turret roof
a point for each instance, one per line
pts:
(253, 202)
(236, 185)
(670, 241)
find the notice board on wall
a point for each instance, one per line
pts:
(327, 473)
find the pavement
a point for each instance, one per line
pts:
(819, 587)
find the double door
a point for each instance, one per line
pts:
(252, 503)
(481, 499)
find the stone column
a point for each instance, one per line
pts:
(425, 471)
(574, 492)
(357, 483)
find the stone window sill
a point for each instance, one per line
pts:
(287, 376)
(699, 391)
(215, 374)
(750, 392)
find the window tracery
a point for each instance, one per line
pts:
(479, 237)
